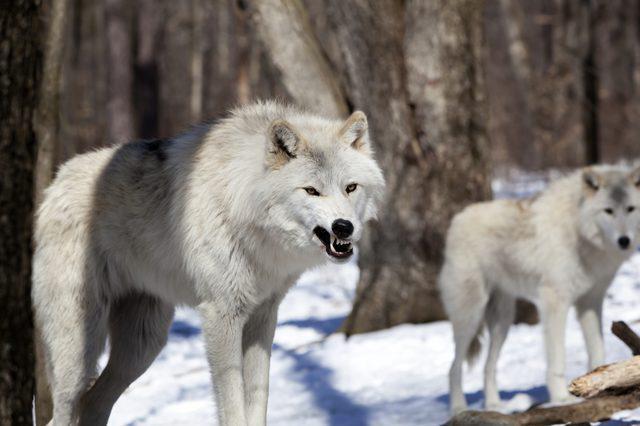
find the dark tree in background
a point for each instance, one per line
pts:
(20, 69)
(563, 81)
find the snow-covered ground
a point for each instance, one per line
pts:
(392, 377)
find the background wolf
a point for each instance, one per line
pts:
(224, 218)
(560, 249)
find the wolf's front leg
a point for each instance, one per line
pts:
(256, 345)
(222, 328)
(554, 310)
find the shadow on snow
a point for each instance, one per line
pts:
(340, 409)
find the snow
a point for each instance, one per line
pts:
(392, 377)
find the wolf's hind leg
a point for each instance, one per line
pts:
(138, 329)
(466, 307)
(499, 317)
(73, 338)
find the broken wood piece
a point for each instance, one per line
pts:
(591, 410)
(627, 335)
(618, 375)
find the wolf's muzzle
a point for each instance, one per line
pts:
(335, 246)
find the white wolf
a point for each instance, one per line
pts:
(224, 218)
(559, 249)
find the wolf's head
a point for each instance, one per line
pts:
(610, 207)
(323, 184)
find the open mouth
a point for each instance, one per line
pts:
(334, 246)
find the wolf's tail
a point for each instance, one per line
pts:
(501, 307)
(476, 346)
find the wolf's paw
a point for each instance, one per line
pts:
(564, 399)
(457, 409)
(494, 406)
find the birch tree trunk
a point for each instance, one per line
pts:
(20, 68)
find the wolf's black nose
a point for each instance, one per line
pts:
(342, 228)
(624, 242)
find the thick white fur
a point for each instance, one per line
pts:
(217, 219)
(557, 250)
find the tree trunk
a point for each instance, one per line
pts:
(146, 88)
(540, 83)
(83, 102)
(417, 77)
(120, 117)
(436, 162)
(286, 32)
(20, 68)
(616, 64)
(48, 113)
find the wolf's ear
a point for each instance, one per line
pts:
(355, 132)
(635, 177)
(591, 179)
(284, 141)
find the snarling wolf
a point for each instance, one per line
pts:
(560, 249)
(224, 218)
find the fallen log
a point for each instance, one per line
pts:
(591, 410)
(619, 375)
(610, 388)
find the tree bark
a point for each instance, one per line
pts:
(20, 68)
(287, 34)
(48, 112)
(623, 332)
(591, 410)
(145, 74)
(541, 83)
(120, 117)
(434, 154)
(617, 67)
(84, 97)
(421, 88)
(619, 375)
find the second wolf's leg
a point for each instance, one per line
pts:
(257, 339)
(554, 309)
(138, 328)
(466, 309)
(499, 317)
(589, 311)
(222, 326)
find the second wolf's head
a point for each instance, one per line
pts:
(322, 184)
(610, 207)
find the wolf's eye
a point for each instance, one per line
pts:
(630, 209)
(351, 187)
(312, 191)
(608, 211)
